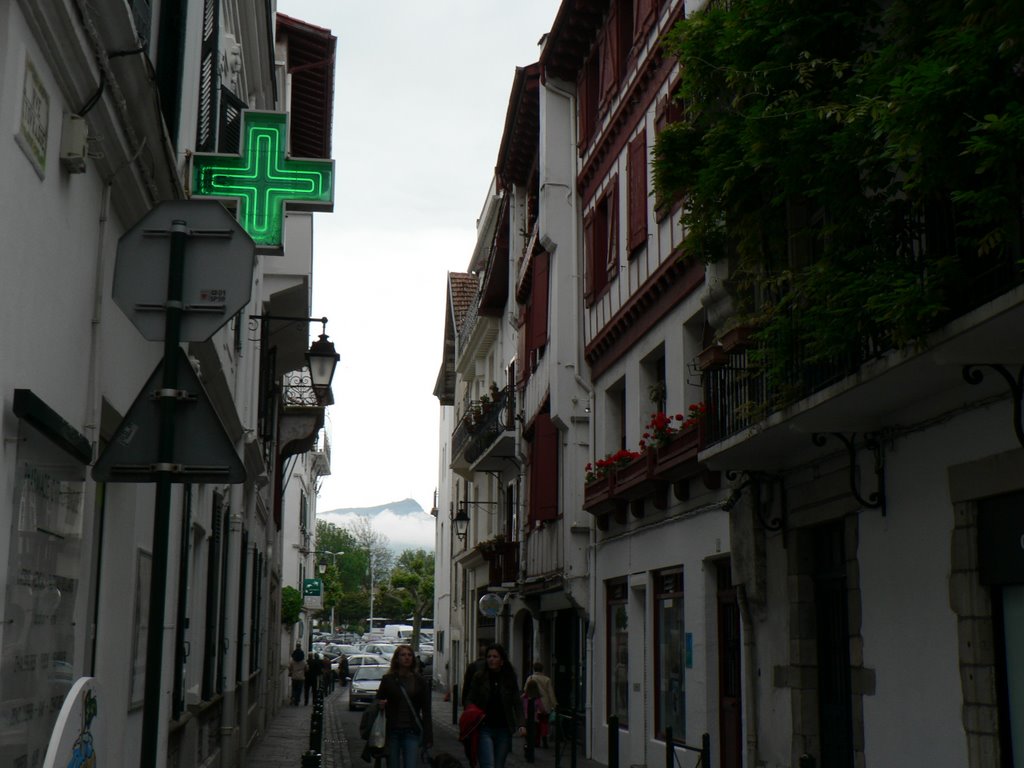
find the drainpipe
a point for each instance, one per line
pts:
(750, 668)
(229, 730)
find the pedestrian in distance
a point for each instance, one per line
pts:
(404, 697)
(534, 711)
(314, 671)
(495, 690)
(297, 673)
(478, 664)
(547, 696)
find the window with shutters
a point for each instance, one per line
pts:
(543, 503)
(600, 235)
(669, 110)
(637, 171)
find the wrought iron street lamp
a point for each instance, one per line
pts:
(460, 520)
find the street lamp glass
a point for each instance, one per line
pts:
(323, 359)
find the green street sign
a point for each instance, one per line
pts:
(263, 180)
(312, 587)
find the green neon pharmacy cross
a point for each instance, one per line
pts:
(263, 179)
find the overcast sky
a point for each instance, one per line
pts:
(420, 99)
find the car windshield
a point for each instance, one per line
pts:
(374, 672)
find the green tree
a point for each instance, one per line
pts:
(413, 577)
(291, 605)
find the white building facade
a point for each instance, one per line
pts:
(105, 103)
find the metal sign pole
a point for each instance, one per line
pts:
(168, 398)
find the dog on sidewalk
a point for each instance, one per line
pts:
(445, 760)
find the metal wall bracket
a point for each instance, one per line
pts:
(762, 497)
(873, 443)
(973, 375)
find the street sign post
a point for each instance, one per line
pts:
(216, 278)
(151, 260)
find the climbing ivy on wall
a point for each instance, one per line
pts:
(858, 165)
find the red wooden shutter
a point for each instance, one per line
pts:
(637, 192)
(643, 17)
(539, 301)
(612, 203)
(588, 258)
(523, 367)
(609, 55)
(544, 470)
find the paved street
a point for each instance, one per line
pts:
(284, 743)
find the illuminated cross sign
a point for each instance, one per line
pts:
(263, 179)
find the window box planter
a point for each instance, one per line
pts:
(714, 356)
(738, 338)
(636, 479)
(598, 498)
(677, 458)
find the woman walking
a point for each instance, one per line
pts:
(404, 696)
(495, 690)
(297, 673)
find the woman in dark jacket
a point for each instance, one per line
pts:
(405, 698)
(495, 690)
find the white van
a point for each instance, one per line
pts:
(397, 633)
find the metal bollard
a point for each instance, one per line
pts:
(311, 759)
(531, 731)
(613, 741)
(705, 750)
(558, 739)
(455, 704)
(670, 748)
(807, 761)
(572, 739)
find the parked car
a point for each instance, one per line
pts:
(357, 660)
(365, 682)
(381, 649)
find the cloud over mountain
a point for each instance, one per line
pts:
(404, 522)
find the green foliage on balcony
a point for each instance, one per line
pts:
(858, 166)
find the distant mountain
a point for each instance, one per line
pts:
(404, 523)
(403, 507)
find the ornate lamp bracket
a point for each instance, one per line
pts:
(873, 442)
(762, 497)
(972, 375)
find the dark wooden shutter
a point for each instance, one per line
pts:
(643, 17)
(637, 192)
(206, 123)
(229, 140)
(609, 47)
(523, 368)
(612, 208)
(588, 259)
(544, 470)
(539, 302)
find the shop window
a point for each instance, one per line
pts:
(617, 617)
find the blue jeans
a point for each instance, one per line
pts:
(493, 747)
(403, 748)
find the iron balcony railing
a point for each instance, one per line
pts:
(738, 393)
(482, 423)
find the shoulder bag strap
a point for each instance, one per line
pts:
(416, 717)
